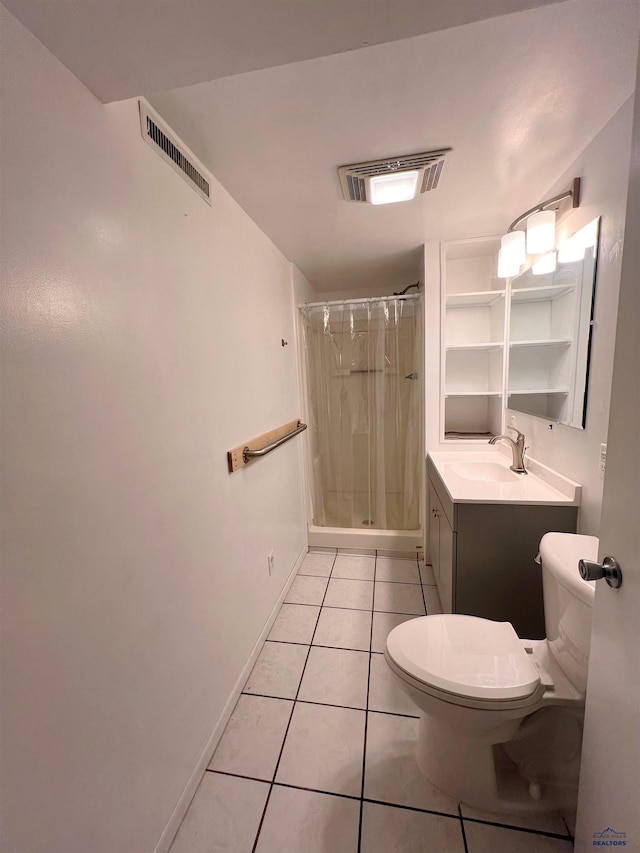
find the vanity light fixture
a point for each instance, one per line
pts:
(541, 231)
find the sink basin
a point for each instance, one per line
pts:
(484, 472)
(484, 476)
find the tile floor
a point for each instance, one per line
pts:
(318, 754)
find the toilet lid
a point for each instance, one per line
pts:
(464, 655)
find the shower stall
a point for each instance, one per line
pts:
(364, 393)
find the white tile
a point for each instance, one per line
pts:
(343, 629)
(386, 829)
(336, 677)
(295, 623)
(223, 816)
(357, 595)
(399, 598)
(432, 600)
(384, 693)
(484, 838)
(252, 739)
(541, 822)
(306, 590)
(298, 821)
(319, 564)
(397, 571)
(354, 567)
(382, 624)
(324, 749)
(391, 773)
(278, 670)
(426, 575)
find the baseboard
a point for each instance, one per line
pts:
(191, 787)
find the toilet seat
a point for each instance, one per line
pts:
(466, 657)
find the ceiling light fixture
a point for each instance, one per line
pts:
(392, 179)
(396, 186)
(541, 231)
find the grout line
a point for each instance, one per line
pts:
(286, 785)
(411, 808)
(424, 599)
(366, 715)
(517, 828)
(316, 791)
(333, 704)
(569, 833)
(322, 645)
(342, 607)
(309, 575)
(464, 834)
(293, 707)
(373, 801)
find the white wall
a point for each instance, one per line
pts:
(604, 169)
(142, 334)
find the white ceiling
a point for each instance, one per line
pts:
(124, 48)
(517, 97)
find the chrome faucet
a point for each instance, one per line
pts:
(517, 448)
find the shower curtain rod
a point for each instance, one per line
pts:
(410, 297)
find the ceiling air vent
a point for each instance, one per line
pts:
(173, 151)
(355, 179)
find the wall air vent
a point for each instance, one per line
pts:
(173, 151)
(355, 179)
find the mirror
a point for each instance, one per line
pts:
(550, 322)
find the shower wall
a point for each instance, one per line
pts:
(363, 363)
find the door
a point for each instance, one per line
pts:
(608, 812)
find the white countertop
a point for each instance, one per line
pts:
(483, 476)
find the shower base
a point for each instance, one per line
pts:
(407, 541)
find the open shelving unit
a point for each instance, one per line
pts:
(541, 328)
(473, 317)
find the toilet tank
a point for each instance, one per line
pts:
(568, 602)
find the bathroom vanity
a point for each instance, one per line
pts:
(484, 527)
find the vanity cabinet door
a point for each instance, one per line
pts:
(441, 549)
(446, 567)
(434, 533)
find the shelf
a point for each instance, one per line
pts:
(480, 298)
(543, 342)
(539, 294)
(488, 347)
(473, 393)
(524, 392)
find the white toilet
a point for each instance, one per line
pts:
(500, 717)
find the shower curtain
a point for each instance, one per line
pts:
(364, 386)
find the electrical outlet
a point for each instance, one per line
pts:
(603, 459)
(270, 562)
(512, 420)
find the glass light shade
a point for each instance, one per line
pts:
(512, 248)
(546, 264)
(396, 186)
(507, 267)
(571, 250)
(541, 232)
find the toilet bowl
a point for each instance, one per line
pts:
(501, 717)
